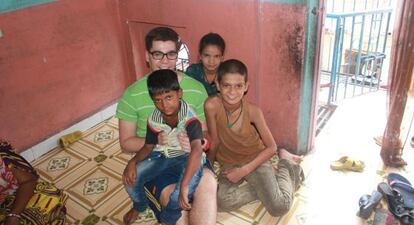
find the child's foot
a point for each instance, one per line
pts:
(130, 216)
(284, 154)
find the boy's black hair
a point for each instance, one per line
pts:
(162, 34)
(231, 66)
(212, 39)
(162, 81)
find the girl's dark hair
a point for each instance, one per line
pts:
(162, 81)
(162, 34)
(231, 66)
(212, 39)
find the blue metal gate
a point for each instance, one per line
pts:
(356, 56)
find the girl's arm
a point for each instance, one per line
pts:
(210, 107)
(27, 183)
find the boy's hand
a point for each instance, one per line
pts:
(183, 198)
(129, 175)
(184, 141)
(162, 138)
(234, 175)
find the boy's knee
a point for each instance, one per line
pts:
(224, 203)
(279, 208)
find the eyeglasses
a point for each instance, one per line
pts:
(157, 55)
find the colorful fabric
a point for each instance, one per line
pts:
(196, 71)
(237, 148)
(136, 105)
(47, 205)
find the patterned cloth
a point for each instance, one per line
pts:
(47, 205)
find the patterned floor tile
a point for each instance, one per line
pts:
(58, 165)
(95, 187)
(101, 137)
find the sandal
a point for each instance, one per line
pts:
(404, 187)
(346, 163)
(395, 203)
(367, 204)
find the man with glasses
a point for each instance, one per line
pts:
(162, 45)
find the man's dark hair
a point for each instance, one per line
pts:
(212, 39)
(162, 81)
(162, 34)
(231, 66)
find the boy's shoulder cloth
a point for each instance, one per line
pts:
(186, 115)
(155, 122)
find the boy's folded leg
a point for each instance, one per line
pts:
(155, 190)
(171, 213)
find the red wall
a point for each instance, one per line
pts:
(267, 36)
(59, 63)
(63, 61)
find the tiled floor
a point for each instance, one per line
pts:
(90, 172)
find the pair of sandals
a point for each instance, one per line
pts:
(399, 194)
(346, 163)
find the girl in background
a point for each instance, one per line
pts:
(211, 50)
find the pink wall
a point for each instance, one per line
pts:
(63, 61)
(59, 63)
(267, 36)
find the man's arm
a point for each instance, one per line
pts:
(128, 139)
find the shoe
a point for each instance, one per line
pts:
(400, 184)
(394, 200)
(68, 139)
(347, 163)
(367, 204)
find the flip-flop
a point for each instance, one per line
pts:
(347, 163)
(367, 204)
(393, 198)
(404, 187)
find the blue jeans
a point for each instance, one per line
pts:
(154, 165)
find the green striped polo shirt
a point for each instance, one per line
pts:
(136, 105)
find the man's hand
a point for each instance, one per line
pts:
(183, 198)
(234, 175)
(184, 141)
(162, 138)
(129, 175)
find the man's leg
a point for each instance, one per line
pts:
(204, 208)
